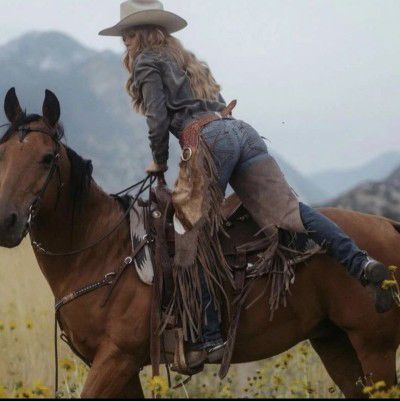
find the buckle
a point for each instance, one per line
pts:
(109, 277)
(187, 154)
(128, 260)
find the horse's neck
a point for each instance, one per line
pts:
(56, 232)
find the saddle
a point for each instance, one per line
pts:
(242, 243)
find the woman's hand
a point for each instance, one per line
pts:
(155, 168)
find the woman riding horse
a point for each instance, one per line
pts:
(178, 93)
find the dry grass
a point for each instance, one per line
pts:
(27, 363)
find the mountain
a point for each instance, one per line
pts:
(379, 197)
(335, 182)
(50, 51)
(99, 124)
(96, 112)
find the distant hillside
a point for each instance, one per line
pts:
(307, 190)
(96, 111)
(336, 182)
(380, 197)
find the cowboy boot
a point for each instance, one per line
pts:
(196, 358)
(373, 274)
(212, 348)
(339, 245)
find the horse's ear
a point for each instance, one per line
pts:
(11, 106)
(51, 108)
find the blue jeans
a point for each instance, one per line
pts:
(235, 145)
(324, 231)
(212, 326)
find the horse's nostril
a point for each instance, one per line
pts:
(11, 220)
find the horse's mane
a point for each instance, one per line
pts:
(81, 169)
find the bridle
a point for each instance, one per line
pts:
(144, 184)
(33, 208)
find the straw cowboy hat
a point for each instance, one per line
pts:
(144, 12)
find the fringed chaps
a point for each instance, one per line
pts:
(197, 199)
(272, 202)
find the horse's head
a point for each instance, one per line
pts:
(28, 159)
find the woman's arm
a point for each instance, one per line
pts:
(148, 80)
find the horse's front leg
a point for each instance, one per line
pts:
(133, 389)
(114, 374)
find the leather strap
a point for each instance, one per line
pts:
(189, 137)
(180, 364)
(110, 279)
(239, 271)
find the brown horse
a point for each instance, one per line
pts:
(326, 305)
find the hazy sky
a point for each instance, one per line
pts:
(319, 78)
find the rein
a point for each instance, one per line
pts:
(142, 189)
(34, 207)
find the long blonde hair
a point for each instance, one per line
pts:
(156, 38)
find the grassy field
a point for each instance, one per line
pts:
(27, 360)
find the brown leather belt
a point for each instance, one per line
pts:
(190, 135)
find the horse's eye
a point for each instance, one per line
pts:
(47, 159)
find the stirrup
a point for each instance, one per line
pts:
(215, 354)
(187, 363)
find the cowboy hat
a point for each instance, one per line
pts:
(144, 12)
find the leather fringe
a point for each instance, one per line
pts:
(199, 249)
(276, 264)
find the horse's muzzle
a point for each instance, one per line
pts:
(12, 228)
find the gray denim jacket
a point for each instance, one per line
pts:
(169, 103)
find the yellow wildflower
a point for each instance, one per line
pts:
(23, 392)
(67, 364)
(387, 284)
(40, 389)
(379, 384)
(277, 381)
(368, 389)
(1, 326)
(304, 350)
(3, 392)
(12, 326)
(158, 385)
(29, 324)
(226, 392)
